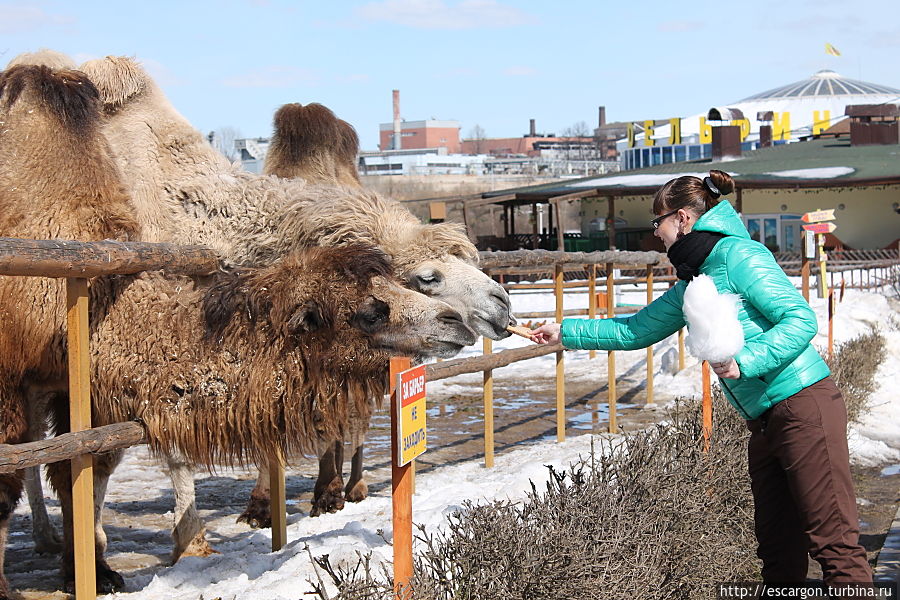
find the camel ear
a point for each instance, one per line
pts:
(306, 318)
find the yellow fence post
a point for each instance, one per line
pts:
(592, 300)
(488, 408)
(611, 355)
(650, 347)
(401, 492)
(707, 407)
(560, 365)
(277, 501)
(80, 419)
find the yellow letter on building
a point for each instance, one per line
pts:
(648, 133)
(705, 132)
(745, 127)
(781, 126)
(674, 131)
(630, 130)
(822, 123)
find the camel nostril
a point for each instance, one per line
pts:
(450, 317)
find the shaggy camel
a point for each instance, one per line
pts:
(185, 191)
(260, 360)
(48, 118)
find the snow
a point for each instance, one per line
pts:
(815, 173)
(246, 568)
(637, 180)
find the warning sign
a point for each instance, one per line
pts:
(411, 420)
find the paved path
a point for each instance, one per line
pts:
(888, 566)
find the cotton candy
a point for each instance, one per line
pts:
(715, 333)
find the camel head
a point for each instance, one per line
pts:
(341, 304)
(440, 261)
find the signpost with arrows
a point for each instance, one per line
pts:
(818, 225)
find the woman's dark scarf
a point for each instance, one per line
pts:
(689, 252)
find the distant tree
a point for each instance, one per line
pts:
(578, 130)
(222, 139)
(477, 135)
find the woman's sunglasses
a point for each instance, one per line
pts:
(655, 222)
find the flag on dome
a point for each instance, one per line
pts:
(829, 49)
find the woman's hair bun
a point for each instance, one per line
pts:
(723, 181)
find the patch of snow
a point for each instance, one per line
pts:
(814, 173)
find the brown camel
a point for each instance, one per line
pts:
(49, 118)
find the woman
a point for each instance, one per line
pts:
(798, 458)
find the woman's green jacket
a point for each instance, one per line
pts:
(777, 359)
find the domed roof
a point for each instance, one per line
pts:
(824, 83)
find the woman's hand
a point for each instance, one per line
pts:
(546, 334)
(727, 370)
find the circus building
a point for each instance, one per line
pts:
(784, 114)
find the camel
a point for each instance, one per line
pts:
(269, 330)
(49, 118)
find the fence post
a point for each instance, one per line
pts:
(650, 347)
(488, 408)
(401, 493)
(831, 324)
(560, 365)
(592, 300)
(277, 501)
(611, 354)
(707, 406)
(80, 419)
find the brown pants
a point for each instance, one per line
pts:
(802, 489)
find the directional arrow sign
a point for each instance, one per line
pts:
(820, 227)
(818, 215)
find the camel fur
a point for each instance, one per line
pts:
(312, 144)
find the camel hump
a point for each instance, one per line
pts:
(306, 130)
(310, 142)
(66, 94)
(44, 56)
(118, 79)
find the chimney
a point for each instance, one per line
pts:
(873, 124)
(601, 120)
(531, 131)
(395, 144)
(726, 139)
(765, 128)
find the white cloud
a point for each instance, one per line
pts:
(439, 14)
(519, 71)
(273, 76)
(160, 73)
(16, 18)
(679, 26)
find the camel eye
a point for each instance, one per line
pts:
(429, 278)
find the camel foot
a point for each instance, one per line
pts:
(47, 542)
(331, 500)
(356, 492)
(258, 513)
(198, 546)
(108, 581)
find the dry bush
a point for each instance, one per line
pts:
(654, 518)
(853, 369)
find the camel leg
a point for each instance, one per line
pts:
(10, 492)
(46, 539)
(356, 490)
(189, 533)
(328, 493)
(60, 474)
(258, 513)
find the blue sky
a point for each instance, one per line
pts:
(494, 63)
